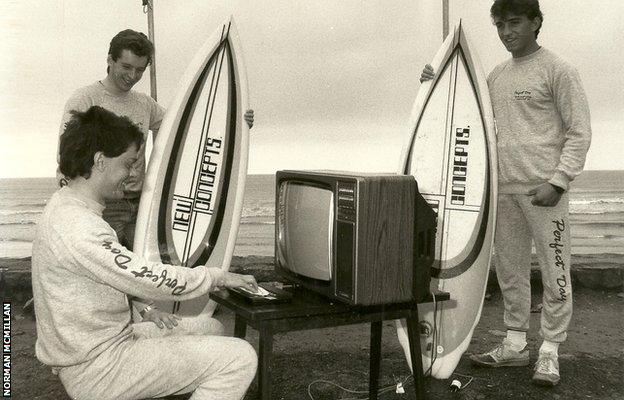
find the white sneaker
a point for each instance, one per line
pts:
(502, 356)
(546, 370)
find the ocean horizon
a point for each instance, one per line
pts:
(596, 214)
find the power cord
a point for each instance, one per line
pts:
(456, 385)
(332, 384)
(400, 383)
(434, 343)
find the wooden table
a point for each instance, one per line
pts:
(310, 311)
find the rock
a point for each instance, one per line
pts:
(602, 275)
(496, 332)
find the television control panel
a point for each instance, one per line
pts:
(347, 200)
(346, 212)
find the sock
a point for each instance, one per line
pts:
(550, 347)
(517, 339)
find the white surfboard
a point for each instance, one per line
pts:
(193, 191)
(451, 151)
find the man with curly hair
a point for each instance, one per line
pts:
(81, 276)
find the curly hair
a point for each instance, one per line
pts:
(92, 131)
(528, 8)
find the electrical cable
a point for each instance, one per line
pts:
(471, 378)
(433, 357)
(434, 343)
(356, 392)
(333, 384)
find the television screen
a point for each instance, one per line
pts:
(305, 231)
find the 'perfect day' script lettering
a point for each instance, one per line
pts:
(122, 260)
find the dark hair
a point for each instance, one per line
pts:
(91, 131)
(528, 8)
(131, 40)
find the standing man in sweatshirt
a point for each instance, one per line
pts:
(543, 135)
(82, 275)
(129, 55)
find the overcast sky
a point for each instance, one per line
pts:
(332, 82)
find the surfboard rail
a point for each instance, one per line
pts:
(451, 150)
(193, 191)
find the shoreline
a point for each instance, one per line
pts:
(593, 271)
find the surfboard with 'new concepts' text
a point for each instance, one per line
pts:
(451, 151)
(193, 191)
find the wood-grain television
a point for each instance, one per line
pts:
(359, 238)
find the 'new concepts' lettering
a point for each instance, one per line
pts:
(460, 166)
(202, 202)
(122, 260)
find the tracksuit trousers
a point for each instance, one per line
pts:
(153, 362)
(519, 224)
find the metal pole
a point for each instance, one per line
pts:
(445, 19)
(148, 8)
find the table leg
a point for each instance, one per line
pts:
(264, 363)
(240, 327)
(375, 359)
(413, 335)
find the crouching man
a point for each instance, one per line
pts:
(82, 275)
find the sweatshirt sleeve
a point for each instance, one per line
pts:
(157, 113)
(92, 247)
(571, 102)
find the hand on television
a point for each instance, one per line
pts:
(249, 117)
(161, 319)
(246, 282)
(427, 73)
(545, 195)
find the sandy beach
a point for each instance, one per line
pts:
(318, 361)
(334, 86)
(313, 364)
(592, 271)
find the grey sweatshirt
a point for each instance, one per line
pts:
(80, 278)
(542, 121)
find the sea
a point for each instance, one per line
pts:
(596, 214)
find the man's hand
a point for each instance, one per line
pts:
(232, 280)
(427, 73)
(249, 117)
(545, 195)
(161, 319)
